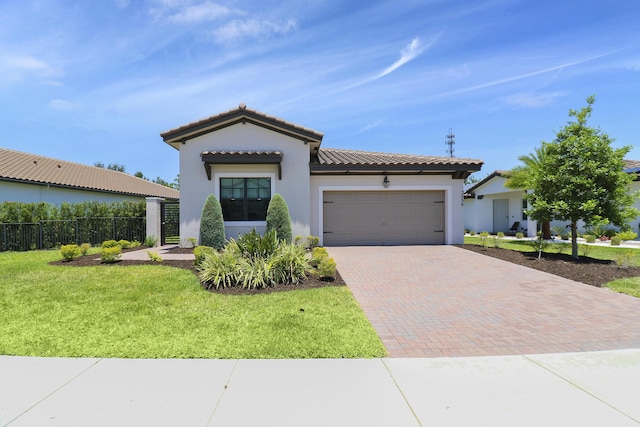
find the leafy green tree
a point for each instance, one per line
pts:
(581, 176)
(278, 218)
(212, 224)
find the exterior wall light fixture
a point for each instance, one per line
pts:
(386, 182)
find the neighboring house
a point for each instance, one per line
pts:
(30, 178)
(344, 197)
(490, 206)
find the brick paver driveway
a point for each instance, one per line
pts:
(429, 301)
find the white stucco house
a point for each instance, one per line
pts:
(30, 178)
(344, 197)
(490, 206)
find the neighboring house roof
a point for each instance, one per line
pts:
(333, 160)
(22, 167)
(471, 190)
(242, 114)
(630, 166)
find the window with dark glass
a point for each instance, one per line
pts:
(245, 199)
(524, 206)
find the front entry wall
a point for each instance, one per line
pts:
(383, 218)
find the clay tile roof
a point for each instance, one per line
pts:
(631, 164)
(334, 156)
(237, 115)
(30, 168)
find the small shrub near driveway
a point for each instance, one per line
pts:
(327, 268)
(111, 254)
(70, 252)
(84, 248)
(153, 256)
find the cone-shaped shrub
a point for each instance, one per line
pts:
(212, 224)
(278, 218)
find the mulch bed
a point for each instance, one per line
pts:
(587, 270)
(308, 283)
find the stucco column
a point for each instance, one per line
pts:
(154, 221)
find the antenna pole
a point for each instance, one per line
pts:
(450, 142)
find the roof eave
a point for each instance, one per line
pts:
(457, 171)
(79, 187)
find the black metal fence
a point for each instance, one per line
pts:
(53, 234)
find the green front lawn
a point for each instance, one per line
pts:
(629, 286)
(609, 253)
(163, 312)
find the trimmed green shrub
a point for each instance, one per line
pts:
(313, 241)
(124, 244)
(110, 244)
(70, 252)
(111, 254)
(519, 235)
(627, 235)
(500, 234)
(308, 242)
(278, 218)
(84, 248)
(201, 252)
(616, 240)
(327, 268)
(318, 254)
(590, 238)
(153, 256)
(212, 224)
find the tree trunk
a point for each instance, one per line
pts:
(546, 230)
(574, 240)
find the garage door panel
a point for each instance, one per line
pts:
(383, 218)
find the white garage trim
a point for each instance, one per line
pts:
(448, 195)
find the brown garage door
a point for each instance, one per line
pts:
(383, 218)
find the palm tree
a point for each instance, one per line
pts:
(520, 178)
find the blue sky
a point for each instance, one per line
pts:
(89, 81)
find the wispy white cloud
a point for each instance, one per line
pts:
(370, 126)
(523, 76)
(408, 53)
(238, 29)
(15, 68)
(206, 11)
(187, 11)
(62, 105)
(532, 100)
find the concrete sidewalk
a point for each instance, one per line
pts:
(585, 389)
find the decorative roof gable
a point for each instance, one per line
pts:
(242, 114)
